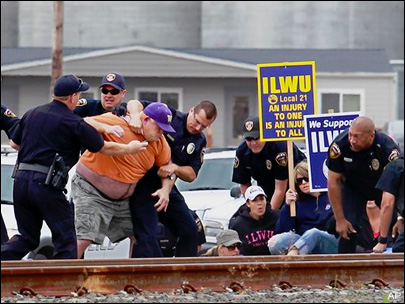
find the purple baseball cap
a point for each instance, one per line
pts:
(161, 114)
(66, 85)
(115, 80)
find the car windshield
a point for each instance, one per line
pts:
(6, 183)
(215, 174)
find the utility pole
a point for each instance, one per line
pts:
(57, 42)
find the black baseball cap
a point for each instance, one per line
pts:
(251, 127)
(66, 85)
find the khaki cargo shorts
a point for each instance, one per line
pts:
(96, 216)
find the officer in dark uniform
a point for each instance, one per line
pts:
(266, 162)
(8, 123)
(356, 160)
(168, 241)
(112, 90)
(391, 183)
(187, 147)
(42, 133)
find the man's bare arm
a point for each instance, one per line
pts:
(117, 149)
(104, 128)
(278, 195)
(185, 173)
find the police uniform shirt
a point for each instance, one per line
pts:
(8, 120)
(361, 170)
(264, 167)
(392, 181)
(52, 128)
(187, 149)
(89, 107)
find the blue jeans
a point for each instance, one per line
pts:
(313, 241)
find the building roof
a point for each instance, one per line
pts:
(327, 60)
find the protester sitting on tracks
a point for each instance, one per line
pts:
(102, 185)
(255, 222)
(307, 232)
(228, 244)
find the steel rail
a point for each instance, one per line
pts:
(62, 277)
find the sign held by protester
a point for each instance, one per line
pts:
(320, 131)
(287, 92)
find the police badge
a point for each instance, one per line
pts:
(249, 125)
(375, 164)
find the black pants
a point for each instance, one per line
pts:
(4, 235)
(177, 219)
(35, 202)
(354, 207)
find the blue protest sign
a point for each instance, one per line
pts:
(320, 131)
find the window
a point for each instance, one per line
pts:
(340, 101)
(240, 113)
(170, 96)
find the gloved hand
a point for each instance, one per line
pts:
(120, 110)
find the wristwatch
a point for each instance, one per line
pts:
(171, 176)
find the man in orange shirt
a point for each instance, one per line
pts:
(103, 184)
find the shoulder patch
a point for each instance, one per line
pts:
(9, 113)
(282, 159)
(236, 162)
(81, 102)
(394, 155)
(334, 151)
(202, 154)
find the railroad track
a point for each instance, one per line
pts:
(62, 277)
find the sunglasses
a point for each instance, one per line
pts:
(234, 246)
(80, 84)
(251, 138)
(113, 91)
(300, 180)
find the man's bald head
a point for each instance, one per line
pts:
(361, 133)
(363, 124)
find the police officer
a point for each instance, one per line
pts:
(112, 90)
(187, 146)
(42, 133)
(391, 183)
(266, 162)
(356, 160)
(8, 123)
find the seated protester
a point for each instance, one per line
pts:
(370, 223)
(391, 183)
(228, 244)
(255, 222)
(307, 232)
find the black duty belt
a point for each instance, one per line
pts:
(33, 167)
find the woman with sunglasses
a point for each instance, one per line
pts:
(307, 232)
(228, 244)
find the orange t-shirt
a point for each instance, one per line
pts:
(131, 167)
